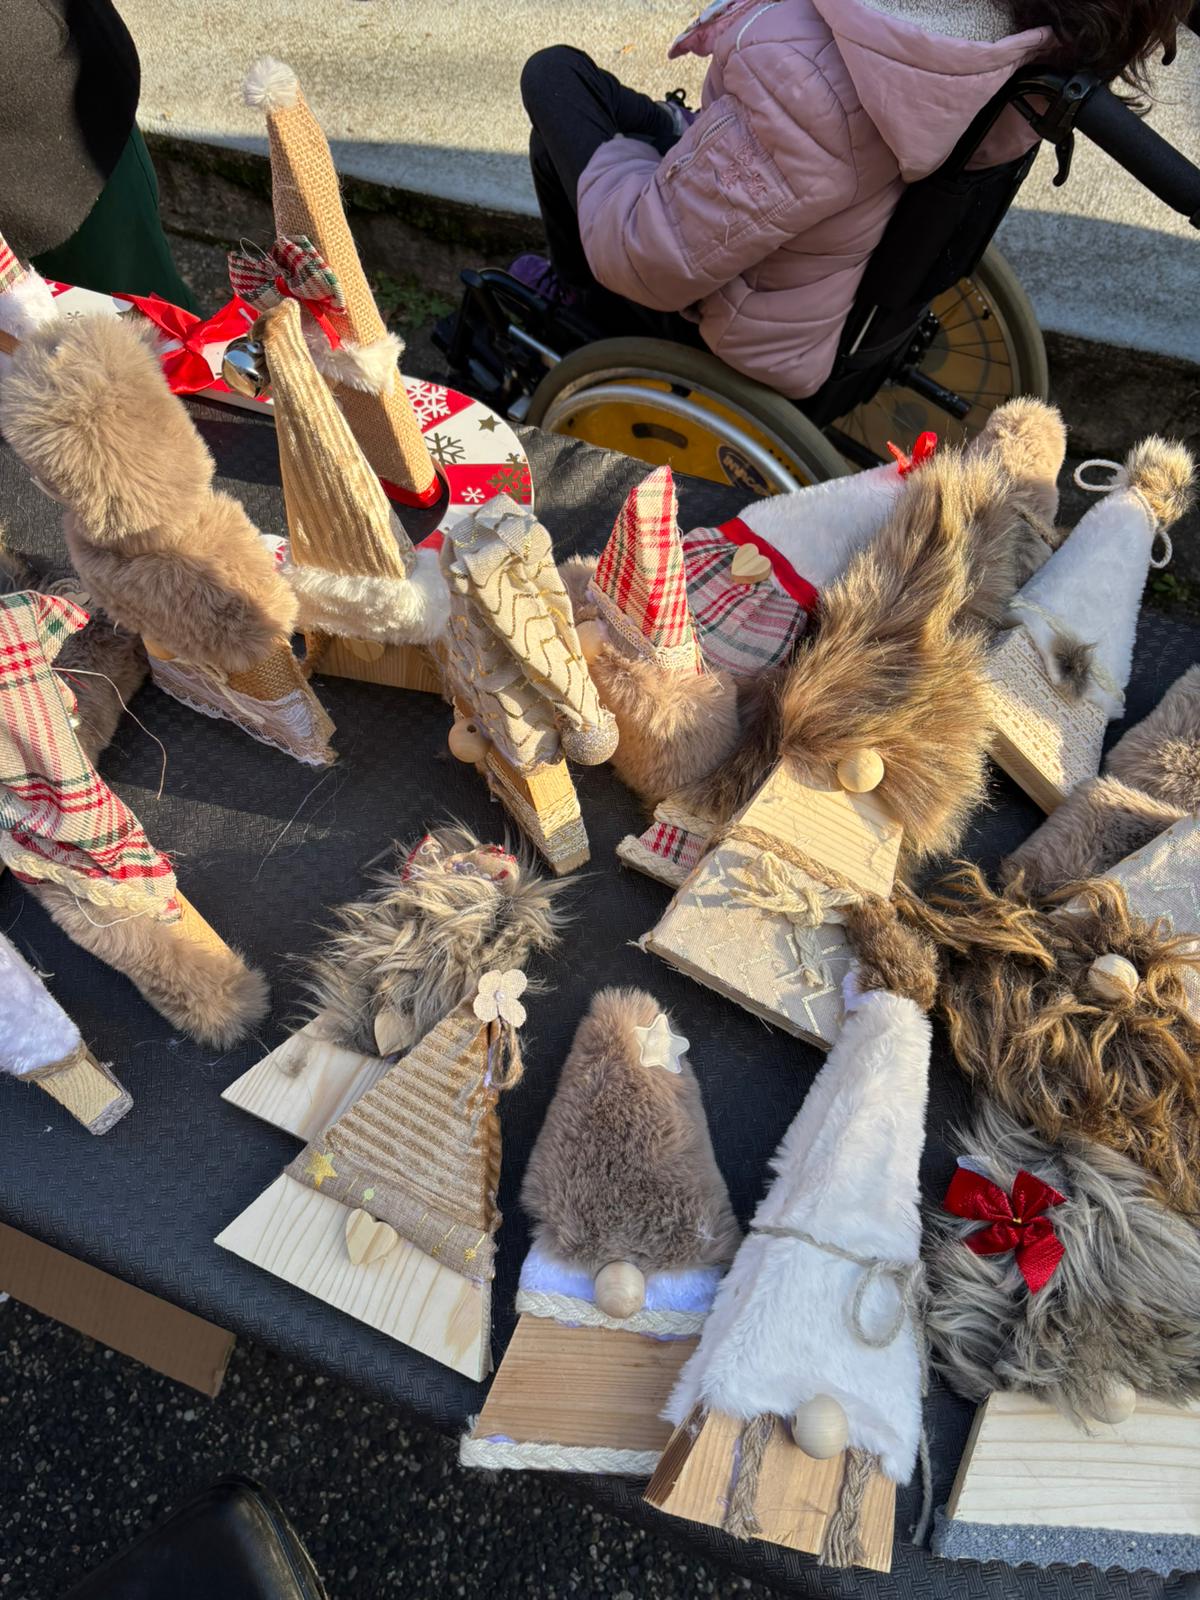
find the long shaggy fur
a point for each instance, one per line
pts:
(889, 954)
(623, 1169)
(674, 726)
(1161, 755)
(104, 665)
(89, 413)
(1026, 1027)
(417, 945)
(1099, 823)
(1124, 1301)
(894, 666)
(209, 993)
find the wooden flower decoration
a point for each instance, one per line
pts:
(499, 997)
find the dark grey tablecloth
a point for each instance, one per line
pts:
(263, 848)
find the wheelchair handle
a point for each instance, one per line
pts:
(1134, 145)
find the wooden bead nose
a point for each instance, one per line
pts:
(861, 772)
(1113, 978)
(820, 1428)
(1116, 1401)
(467, 743)
(620, 1290)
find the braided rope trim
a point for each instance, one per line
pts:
(635, 854)
(582, 1313)
(97, 891)
(506, 1455)
(630, 639)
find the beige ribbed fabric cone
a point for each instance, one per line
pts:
(338, 516)
(421, 1150)
(308, 201)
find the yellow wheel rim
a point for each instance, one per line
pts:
(972, 355)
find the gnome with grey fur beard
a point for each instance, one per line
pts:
(632, 1231)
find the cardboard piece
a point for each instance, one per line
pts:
(153, 1331)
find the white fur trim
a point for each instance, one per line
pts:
(412, 610)
(369, 367)
(820, 529)
(26, 306)
(35, 1031)
(1091, 590)
(270, 85)
(847, 1174)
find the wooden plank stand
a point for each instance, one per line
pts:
(89, 1091)
(796, 1495)
(716, 933)
(306, 1083)
(1044, 742)
(577, 1399)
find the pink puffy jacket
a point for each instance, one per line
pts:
(815, 114)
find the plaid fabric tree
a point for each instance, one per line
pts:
(639, 586)
(61, 821)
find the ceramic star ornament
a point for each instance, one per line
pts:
(661, 1047)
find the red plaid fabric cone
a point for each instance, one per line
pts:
(61, 821)
(639, 587)
(11, 270)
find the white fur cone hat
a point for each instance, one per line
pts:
(35, 1031)
(780, 1331)
(1089, 593)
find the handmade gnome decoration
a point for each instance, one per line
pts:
(352, 348)
(362, 588)
(40, 1044)
(391, 1213)
(1065, 1295)
(515, 671)
(89, 413)
(1151, 781)
(82, 852)
(800, 1411)
(25, 302)
(1078, 1015)
(396, 963)
(813, 812)
(1059, 675)
(632, 1229)
(1006, 501)
(675, 719)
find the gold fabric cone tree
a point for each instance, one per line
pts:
(354, 571)
(363, 370)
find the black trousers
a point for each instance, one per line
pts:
(575, 107)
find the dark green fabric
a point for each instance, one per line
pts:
(121, 247)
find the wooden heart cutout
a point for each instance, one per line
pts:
(749, 565)
(364, 649)
(368, 1240)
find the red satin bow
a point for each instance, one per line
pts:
(186, 369)
(1014, 1222)
(922, 450)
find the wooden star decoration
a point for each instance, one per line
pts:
(659, 1046)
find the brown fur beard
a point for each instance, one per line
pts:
(1124, 1301)
(623, 1169)
(418, 945)
(1026, 1027)
(1099, 823)
(889, 954)
(104, 665)
(895, 665)
(1161, 755)
(674, 726)
(206, 992)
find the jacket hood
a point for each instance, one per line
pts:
(924, 68)
(921, 68)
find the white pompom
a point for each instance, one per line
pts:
(270, 85)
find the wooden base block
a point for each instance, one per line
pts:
(397, 666)
(545, 804)
(796, 1495)
(1045, 743)
(305, 1084)
(579, 1399)
(90, 1093)
(1027, 1464)
(299, 1234)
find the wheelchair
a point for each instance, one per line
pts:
(940, 334)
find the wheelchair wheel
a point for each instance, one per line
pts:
(666, 403)
(988, 349)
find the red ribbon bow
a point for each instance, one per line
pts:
(186, 367)
(922, 450)
(292, 269)
(1013, 1222)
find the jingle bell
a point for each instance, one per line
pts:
(244, 368)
